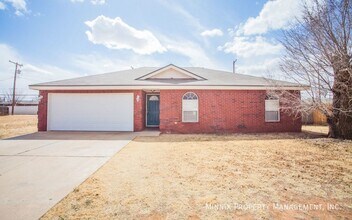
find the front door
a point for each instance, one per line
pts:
(153, 111)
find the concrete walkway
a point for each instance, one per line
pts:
(38, 170)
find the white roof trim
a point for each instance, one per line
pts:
(170, 66)
(151, 87)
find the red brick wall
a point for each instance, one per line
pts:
(223, 111)
(139, 106)
(43, 111)
(219, 111)
(139, 111)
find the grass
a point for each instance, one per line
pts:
(316, 129)
(12, 126)
(210, 176)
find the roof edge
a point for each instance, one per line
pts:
(165, 87)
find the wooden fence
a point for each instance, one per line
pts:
(317, 118)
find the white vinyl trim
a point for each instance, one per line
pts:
(172, 67)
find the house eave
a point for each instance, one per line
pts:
(165, 87)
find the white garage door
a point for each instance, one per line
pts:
(90, 111)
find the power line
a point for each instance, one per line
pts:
(5, 79)
(25, 78)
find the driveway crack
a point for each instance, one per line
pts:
(45, 145)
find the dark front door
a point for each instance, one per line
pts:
(153, 110)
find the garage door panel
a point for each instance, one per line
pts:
(91, 111)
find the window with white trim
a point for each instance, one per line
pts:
(272, 109)
(190, 107)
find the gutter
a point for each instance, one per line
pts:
(165, 87)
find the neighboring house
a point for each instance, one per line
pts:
(23, 107)
(174, 99)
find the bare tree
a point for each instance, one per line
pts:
(318, 54)
(7, 97)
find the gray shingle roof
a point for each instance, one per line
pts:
(129, 78)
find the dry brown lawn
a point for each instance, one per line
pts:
(315, 129)
(258, 176)
(11, 126)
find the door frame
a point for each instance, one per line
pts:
(146, 110)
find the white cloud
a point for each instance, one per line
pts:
(31, 73)
(98, 2)
(231, 32)
(19, 5)
(94, 2)
(257, 54)
(193, 51)
(95, 63)
(212, 33)
(183, 13)
(259, 67)
(116, 34)
(18, 13)
(2, 6)
(251, 46)
(278, 14)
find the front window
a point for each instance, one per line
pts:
(272, 109)
(190, 107)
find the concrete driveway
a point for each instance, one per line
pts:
(38, 170)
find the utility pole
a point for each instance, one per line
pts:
(14, 85)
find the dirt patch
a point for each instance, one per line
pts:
(12, 126)
(215, 177)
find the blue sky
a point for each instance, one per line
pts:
(61, 39)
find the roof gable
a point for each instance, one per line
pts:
(171, 72)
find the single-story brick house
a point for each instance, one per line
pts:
(174, 99)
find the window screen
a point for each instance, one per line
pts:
(271, 116)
